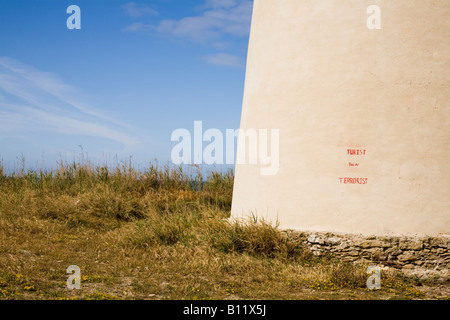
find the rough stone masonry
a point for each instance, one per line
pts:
(421, 255)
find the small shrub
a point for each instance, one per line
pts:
(162, 230)
(122, 207)
(257, 239)
(348, 275)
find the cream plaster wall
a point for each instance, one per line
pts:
(318, 74)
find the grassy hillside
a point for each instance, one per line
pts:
(159, 234)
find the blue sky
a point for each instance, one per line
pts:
(119, 87)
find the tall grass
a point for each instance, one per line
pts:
(118, 221)
(82, 193)
(260, 239)
(169, 205)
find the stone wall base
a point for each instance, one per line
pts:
(414, 255)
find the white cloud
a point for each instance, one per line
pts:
(224, 59)
(135, 10)
(215, 4)
(137, 27)
(219, 18)
(40, 101)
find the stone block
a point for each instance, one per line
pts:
(411, 245)
(406, 256)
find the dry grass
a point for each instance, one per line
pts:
(156, 234)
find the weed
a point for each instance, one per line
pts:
(256, 239)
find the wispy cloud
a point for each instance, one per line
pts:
(134, 10)
(217, 19)
(220, 3)
(138, 27)
(38, 101)
(224, 59)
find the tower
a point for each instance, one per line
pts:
(359, 92)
